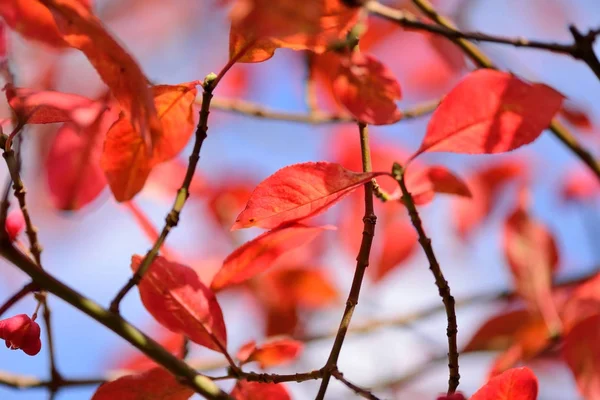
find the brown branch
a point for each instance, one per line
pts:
(255, 110)
(12, 300)
(482, 61)
(440, 281)
(362, 262)
(357, 389)
(182, 194)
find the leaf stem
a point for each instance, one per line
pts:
(362, 262)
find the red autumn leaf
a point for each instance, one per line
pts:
(490, 112)
(424, 183)
(84, 31)
(576, 116)
(325, 22)
(532, 255)
(499, 332)
(278, 351)
(126, 159)
(368, 90)
(580, 185)
(581, 351)
(514, 384)
(245, 390)
(298, 192)
(468, 213)
(582, 303)
(399, 243)
(154, 384)
(46, 107)
(73, 171)
(298, 286)
(225, 201)
(260, 253)
(180, 302)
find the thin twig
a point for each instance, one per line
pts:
(362, 262)
(357, 389)
(440, 281)
(182, 194)
(12, 300)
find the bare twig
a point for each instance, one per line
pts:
(440, 281)
(357, 389)
(362, 262)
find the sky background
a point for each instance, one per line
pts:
(184, 40)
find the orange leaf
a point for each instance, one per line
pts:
(581, 351)
(180, 302)
(84, 31)
(368, 89)
(582, 303)
(298, 192)
(126, 160)
(260, 253)
(498, 332)
(278, 351)
(299, 286)
(46, 107)
(514, 384)
(532, 254)
(424, 183)
(155, 384)
(245, 390)
(490, 112)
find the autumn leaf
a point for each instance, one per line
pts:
(260, 253)
(84, 31)
(126, 160)
(581, 352)
(423, 183)
(180, 302)
(298, 192)
(399, 243)
(245, 390)
(368, 90)
(576, 116)
(154, 384)
(46, 107)
(514, 384)
(582, 303)
(532, 254)
(580, 185)
(324, 23)
(278, 351)
(490, 112)
(298, 286)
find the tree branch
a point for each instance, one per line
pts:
(440, 281)
(356, 389)
(362, 262)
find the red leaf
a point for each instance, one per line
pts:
(278, 351)
(179, 301)
(532, 254)
(581, 351)
(46, 107)
(84, 31)
(245, 390)
(580, 185)
(514, 384)
(226, 200)
(155, 384)
(368, 89)
(399, 243)
(298, 286)
(582, 303)
(298, 192)
(260, 253)
(424, 183)
(576, 116)
(73, 170)
(490, 112)
(126, 158)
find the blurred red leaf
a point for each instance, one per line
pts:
(576, 116)
(180, 302)
(126, 159)
(424, 183)
(245, 390)
(468, 213)
(490, 112)
(46, 107)
(84, 31)
(532, 254)
(580, 185)
(226, 199)
(298, 192)
(277, 351)
(514, 384)
(298, 286)
(581, 351)
(368, 89)
(399, 243)
(260, 253)
(582, 303)
(155, 384)
(14, 224)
